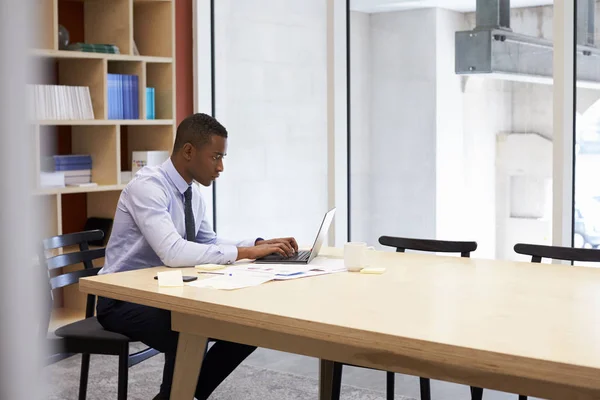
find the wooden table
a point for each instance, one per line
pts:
(523, 328)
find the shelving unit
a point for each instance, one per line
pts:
(145, 24)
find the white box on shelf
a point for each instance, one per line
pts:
(141, 159)
(125, 177)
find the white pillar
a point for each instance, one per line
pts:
(203, 76)
(564, 94)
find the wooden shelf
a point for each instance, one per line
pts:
(64, 316)
(77, 189)
(60, 54)
(149, 26)
(91, 122)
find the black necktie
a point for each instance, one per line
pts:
(190, 228)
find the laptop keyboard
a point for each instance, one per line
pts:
(300, 256)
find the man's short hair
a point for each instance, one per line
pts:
(197, 130)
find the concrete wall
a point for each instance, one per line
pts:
(271, 96)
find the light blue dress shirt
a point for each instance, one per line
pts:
(149, 226)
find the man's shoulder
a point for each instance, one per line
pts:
(148, 180)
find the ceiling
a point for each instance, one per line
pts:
(372, 6)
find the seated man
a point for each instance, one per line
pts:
(161, 220)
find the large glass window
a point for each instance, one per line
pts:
(270, 89)
(442, 146)
(586, 217)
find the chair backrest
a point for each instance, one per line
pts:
(436, 246)
(537, 252)
(84, 256)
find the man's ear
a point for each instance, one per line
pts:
(187, 151)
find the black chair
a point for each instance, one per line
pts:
(402, 244)
(86, 336)
(538, 252)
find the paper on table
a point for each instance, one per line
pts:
(327, 264)
(233, 281)
(319, 266)
(210, 267)
(170, 278)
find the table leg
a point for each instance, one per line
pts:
(190, 353)
(326, 380)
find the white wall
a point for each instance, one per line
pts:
(451, 210)
(271, 96)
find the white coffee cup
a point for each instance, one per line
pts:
(356, 256)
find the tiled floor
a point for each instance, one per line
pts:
(365, 378)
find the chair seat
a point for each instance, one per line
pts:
(89, 328)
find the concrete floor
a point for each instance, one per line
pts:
(365, 378)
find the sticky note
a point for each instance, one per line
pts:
(170, 278)
(372, 270)
(209, 267)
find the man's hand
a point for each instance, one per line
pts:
(289, 243)
(255, 252)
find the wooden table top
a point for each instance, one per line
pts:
(541, 319)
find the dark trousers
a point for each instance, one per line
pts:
(152, 326)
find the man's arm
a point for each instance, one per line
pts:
(148, 205)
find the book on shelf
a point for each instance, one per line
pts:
(150, 103)
(66, 170)
(52, 179)
(59, 102)
(94, 48)
(123, 97)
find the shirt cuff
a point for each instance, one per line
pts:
(230, 254)
(248, 242)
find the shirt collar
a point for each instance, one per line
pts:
(175, 177)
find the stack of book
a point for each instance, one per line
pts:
(59, 102)
(69, 170)
(94, 48)
(123, 97)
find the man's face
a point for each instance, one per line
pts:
(206, 162)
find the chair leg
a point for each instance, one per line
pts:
(83, 378)
(425, 384)
(476, 393)
(390, 385)
(123, 374)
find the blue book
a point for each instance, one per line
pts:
(153, 103)
(120, 107)
(112, 96)
(149, 103)
(72, 159)
(135, 97)
(73, 167)
(127, 98)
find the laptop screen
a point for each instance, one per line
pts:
(322, 234)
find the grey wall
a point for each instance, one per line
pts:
(403, 123)
(360, 92)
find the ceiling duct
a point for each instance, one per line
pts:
(492, 48)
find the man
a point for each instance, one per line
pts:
(161, 220)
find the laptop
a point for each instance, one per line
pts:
(304, 256)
